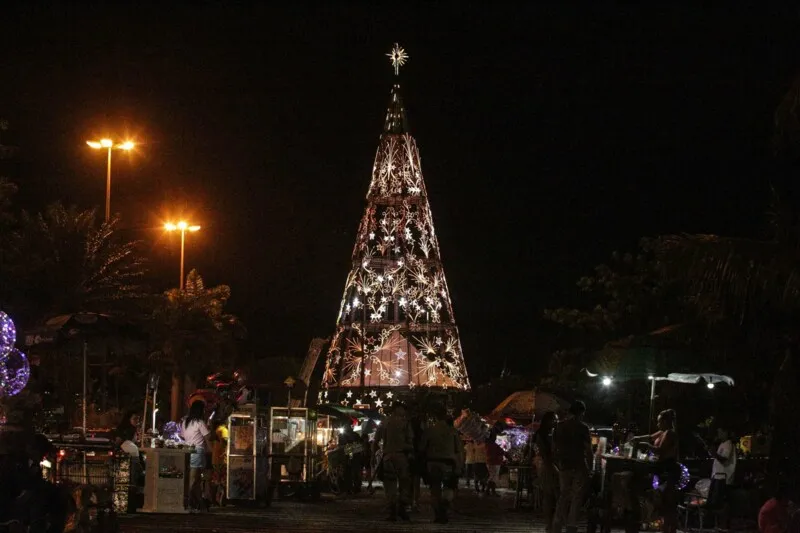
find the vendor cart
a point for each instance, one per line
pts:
(247, 460)
(294, 439)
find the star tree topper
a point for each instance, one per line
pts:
(398, 57)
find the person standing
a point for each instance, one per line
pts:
(724, 457)
(664, 446)
(195, 433)
(494, 461)
(418, 464)
(469, 461)
(441, 446)
(546, 469)
(219, 461)
(573, 454)
(479, 466)
(398, 448)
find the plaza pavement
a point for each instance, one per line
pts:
(362, 513)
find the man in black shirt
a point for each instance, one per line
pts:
(573, 453)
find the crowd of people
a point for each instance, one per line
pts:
(412, 450)
(406, 450)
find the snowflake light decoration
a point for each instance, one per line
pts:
(395, 328)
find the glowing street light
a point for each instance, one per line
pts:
(108, 145)
(606, 381)
(183, 227)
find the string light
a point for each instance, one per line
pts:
(683, 481)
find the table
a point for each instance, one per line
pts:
(627, 504)
(166, 482)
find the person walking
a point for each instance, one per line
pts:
(441, 445)
(546, 470)
(573, 454)
(398, 448)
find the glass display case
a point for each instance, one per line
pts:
(246, 455)
(290, 441)
(241, 479)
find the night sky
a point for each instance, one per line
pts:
(548, 140)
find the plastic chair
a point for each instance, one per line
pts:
(704, 506)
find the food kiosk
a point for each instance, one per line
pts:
(166, 483)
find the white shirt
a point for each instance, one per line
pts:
(728, 466)
(194, 433)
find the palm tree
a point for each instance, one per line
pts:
(755, 284)
(195, 332)
(63, 261)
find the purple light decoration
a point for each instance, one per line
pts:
(683, 482)
(171, 431)
(15, 373)
(8, 335)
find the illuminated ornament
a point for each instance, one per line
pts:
(14, 374)
(8, 335)
(398, 57)
(395, 327)
(683, 482)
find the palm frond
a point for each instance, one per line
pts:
(65, 262)
(743, 275)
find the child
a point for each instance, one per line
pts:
(218, 462)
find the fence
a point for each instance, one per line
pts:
(98, 477)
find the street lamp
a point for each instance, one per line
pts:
(183, 227)
(108, 145)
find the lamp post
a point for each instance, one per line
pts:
(183, 227)
(108, 144)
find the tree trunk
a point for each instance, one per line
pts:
(783, 421)
(189, 385)
(175, 396)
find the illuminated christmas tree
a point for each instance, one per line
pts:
(395, 330)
